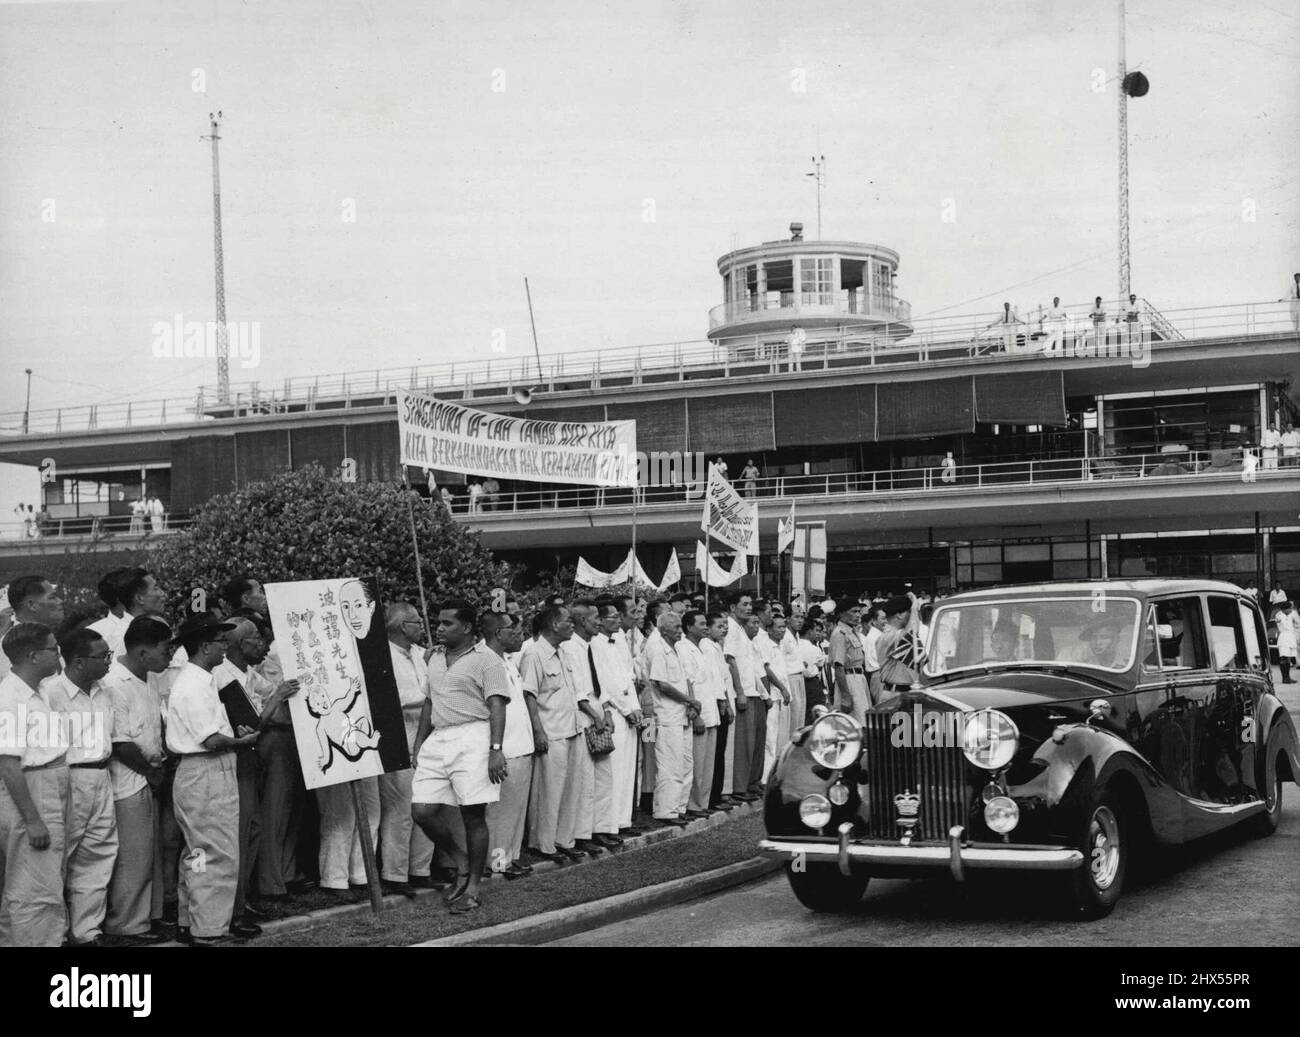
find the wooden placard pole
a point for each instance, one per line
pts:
(367, 847)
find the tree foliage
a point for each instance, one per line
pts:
(310, 525)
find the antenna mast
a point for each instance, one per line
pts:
(819, 174)
(223, 357)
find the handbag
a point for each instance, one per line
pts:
(599, 743)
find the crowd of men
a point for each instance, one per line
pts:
(150, 787)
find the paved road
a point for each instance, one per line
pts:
(1233, 890)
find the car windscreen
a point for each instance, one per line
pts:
(1099, 631)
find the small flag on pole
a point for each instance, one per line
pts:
(673, 574)
(785, 531)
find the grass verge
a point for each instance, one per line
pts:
(428, 919)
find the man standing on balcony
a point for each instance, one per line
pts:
(157, 514)
(1056, 322)
(1271, 442)
(748, 475)
(1290, 441)
(1098, 316)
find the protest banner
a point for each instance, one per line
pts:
(448, 437)
(728, 517)
(713, 574)
(347, 717)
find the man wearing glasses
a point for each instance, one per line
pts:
(92, 821)
(33, 793)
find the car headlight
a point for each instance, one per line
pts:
(815, 811)
(1001, 814)
(835, 741)
(990, 739)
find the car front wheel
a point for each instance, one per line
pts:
(1100, 880)
(821, 887)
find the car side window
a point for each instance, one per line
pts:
(1225, 633)
(1175, 636)
(1251, 627)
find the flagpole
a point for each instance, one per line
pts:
(708, 561)
(778, 572)
(636, 486)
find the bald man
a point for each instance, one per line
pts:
(404, 849)
(675, 711)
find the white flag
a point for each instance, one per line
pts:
(634, 567)
(808, 564)
(672, 574)
(785, 531)
(715, 575)
(728, 517)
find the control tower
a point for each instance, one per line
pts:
(818, 296)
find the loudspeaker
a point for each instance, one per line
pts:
(1136, 84)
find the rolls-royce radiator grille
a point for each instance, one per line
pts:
(935, 775)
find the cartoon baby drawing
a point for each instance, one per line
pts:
(335, 729)
(357, 607)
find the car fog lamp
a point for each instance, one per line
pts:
(815, 811)
(990, 739)
(839, 794)
(1001, 814)
(835, 741)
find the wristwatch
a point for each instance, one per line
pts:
(495, 747)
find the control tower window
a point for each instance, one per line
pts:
(780, 283)
(816, 277)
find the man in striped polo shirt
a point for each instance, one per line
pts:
(459, 757)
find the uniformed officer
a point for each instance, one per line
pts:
(206, 790)
(34, 793)
(847, 661)
(92, 823)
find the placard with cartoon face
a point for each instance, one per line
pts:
(347, 716)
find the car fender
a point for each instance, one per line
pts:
(1077, 760)
(1276, 729)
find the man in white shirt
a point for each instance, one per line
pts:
(556, 768)
(626, 643)
(675, 708)
(711, 649)
(404, 850)
(246, 646)
(503, 634)
(772, 674)
(112, 626)
(135, 902)
(595, 775)
(703, 677)
(750, 730)
(206, 791)
(614, 669)
(34, 793)
(1271, 442)
(813, 658)
(789, 645)
(869, 633)
(1290, 442)
(91, 844)
(34, 600)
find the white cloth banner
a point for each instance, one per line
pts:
(715, 575)
(592, 577)
(728, 517)
(443, 435)
(673, 574)
(785, 531)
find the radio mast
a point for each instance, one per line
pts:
(223, 358)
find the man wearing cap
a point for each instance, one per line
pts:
(899, 648)
(92, 824)
(847, 662)
(34, 793)
(205, 794)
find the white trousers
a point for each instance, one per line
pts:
(91, 851)
(673, 770)
(623, 771)
(341, 861)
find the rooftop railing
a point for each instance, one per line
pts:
(852, 304)
(949, 341)
(1178, 465)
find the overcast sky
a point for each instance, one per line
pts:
(478, 143)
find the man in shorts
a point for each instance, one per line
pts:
(459, 758)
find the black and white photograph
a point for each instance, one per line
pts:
(827, 475)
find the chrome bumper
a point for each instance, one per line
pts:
(956, 857)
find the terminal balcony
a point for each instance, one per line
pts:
(850, 311)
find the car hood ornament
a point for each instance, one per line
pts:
(907, 804)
